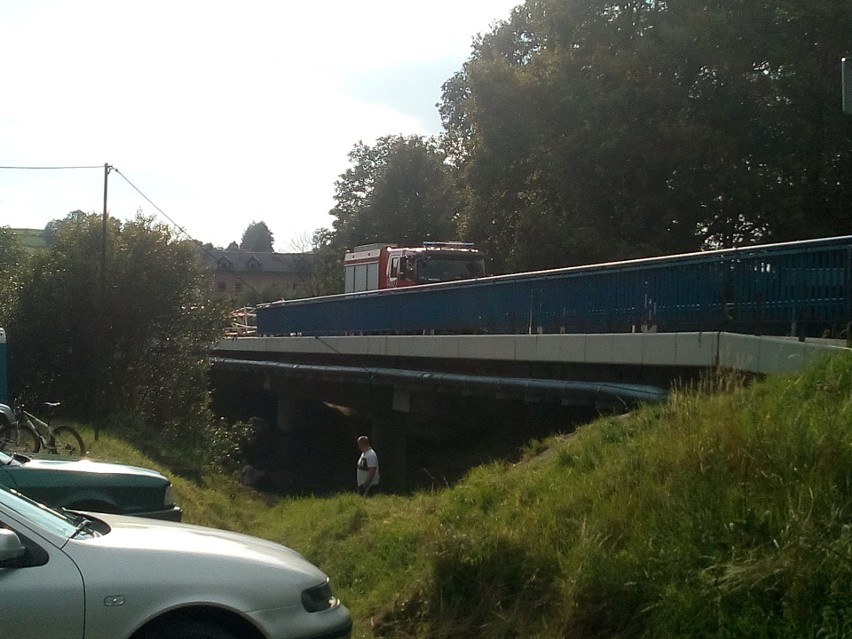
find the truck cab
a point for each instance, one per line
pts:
(383, 266)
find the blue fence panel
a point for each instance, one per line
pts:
(798, 288)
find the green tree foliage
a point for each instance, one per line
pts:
(126, 346)
(257, 238)
(328, 268)
(12, 260)
(398, 190)
(597, 130)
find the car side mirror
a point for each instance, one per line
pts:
(11, 548)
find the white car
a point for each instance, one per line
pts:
(117, 577)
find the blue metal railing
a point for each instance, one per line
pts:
(796, 288)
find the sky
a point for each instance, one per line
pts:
(215, 114)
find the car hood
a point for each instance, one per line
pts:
(148, 548)
(84, 465)
(152, 566)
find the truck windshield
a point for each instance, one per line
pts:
(434, 268)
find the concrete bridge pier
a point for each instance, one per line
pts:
(389, 437)
(308, 447)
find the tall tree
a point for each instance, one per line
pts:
(126, 342)
(398, 190)
(602, 130)
(257, 238)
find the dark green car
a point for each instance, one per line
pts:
(84, 484)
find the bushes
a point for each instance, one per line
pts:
(117, 325)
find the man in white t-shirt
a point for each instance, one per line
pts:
(368, 467)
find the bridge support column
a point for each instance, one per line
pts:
(389, 437)
(286, 413)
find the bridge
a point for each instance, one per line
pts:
(493, 362)
(412, 392)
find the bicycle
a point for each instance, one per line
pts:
(29, 434)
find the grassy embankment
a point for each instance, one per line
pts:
(725, 513)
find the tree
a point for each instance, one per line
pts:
(12, 264)
(601, 130)
(328, 267)
(127, 344)
(257, 238)
(398, 190)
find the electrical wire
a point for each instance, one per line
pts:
(181, 229)
(48, 168)
(135, 188)
(207, 251)
(109, 168)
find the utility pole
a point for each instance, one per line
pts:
(100, 324)
(107, 168)
(846, 79)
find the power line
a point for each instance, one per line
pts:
(180, 228)
(135, 188)
(206, 250)
(48, 168)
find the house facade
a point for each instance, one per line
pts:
(247, 276)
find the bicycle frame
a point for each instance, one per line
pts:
(37, 426)
(59, 440)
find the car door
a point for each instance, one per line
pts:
(41, 595)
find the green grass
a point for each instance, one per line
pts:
(725, 513)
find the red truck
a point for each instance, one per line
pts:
(377, 266)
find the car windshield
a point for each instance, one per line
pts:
(40, 515)
(16, 459)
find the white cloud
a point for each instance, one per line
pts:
(221, 113)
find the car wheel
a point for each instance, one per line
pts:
(191, 630)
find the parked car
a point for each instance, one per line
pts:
(103, 576)
(85, 484)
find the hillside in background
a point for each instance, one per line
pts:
(725, 513)
(31, 239)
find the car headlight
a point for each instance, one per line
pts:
(169, 497)
(319, 598)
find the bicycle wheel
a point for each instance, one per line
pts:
(67, 441)
(18, 440)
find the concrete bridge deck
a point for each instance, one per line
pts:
(585, 368)
(747, 353)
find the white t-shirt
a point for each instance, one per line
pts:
(367, 460)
